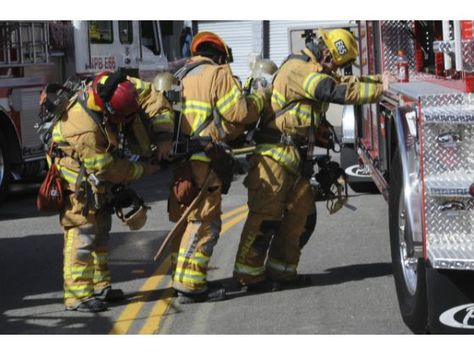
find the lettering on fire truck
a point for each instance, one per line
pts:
(102, 63)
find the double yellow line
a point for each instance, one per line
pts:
(153, 321)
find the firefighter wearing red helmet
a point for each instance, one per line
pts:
(95, 142)
(215, 111)
(282, 211)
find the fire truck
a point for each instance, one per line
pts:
(34, 53)
(417, 147)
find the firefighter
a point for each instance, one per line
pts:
(261, 75)
(214, 112)
(90, 143)
(282, 211)
(164, 82)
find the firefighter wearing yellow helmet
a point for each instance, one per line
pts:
(214, 112)
(341, 44)
(282, 211)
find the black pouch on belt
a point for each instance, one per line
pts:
(222, 163)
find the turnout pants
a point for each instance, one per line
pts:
(281, 218)
(191, 252)
(85, 268)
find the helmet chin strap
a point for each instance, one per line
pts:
(327, 62)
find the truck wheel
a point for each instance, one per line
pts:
(409, 272)
(4, 168)
(358, 178)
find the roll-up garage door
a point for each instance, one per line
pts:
(280, 35)
(244, 37)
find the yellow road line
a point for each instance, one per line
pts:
(153, 322)
(129, 314)
(234, 212)
(233, 222)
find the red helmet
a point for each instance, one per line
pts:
(122, 99)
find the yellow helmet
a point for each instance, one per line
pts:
(342, 45)
(164, 81)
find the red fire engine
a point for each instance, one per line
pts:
(34, 53)
(417, 146)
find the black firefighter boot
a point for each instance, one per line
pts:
(263, 286)
(210, 295)
(92, 305)
(109, 294)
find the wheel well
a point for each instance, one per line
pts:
(392, 146)
(13, 145)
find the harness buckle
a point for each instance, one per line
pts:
(286, 139)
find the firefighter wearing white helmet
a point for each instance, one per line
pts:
(263, 67)
(282, 211)
(164, 81)
(261, 74)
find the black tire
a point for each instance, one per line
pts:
(410, 282)
(5, 174)
(350, 160)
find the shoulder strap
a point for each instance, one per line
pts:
(311, 137)
(94, 115)
(183, 71)
(280, 112)
(180, 74)
(214, 116)
(302, 57)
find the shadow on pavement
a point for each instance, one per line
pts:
(333, 276)
(31, 282)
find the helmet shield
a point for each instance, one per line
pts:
(136, 218)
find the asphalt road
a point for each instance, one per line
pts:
(347, 258)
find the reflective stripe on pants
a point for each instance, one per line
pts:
(85, 267)
(199, 236)
(274, 195)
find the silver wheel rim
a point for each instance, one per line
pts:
(409, 264)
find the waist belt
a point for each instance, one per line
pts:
(274, 136)
(187, 146)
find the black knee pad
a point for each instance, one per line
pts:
(268, 230)
(309, 227)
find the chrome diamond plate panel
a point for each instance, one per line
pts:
(396, 35)
(443, 46)
(445, 100)
(453, 114)
(448, 164)
(455, 157)
(451, 184)
(468, 55)
(450, 239)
